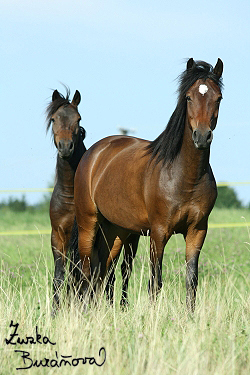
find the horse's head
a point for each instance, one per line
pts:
(203, 101)
(64, 118)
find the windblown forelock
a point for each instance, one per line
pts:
(55, 105)
(200, 70)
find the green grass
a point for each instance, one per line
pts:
(10, 220)
(145, 339)
(19, 254)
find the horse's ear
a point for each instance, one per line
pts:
(190, 63)
(218, 69)
(56, 95)
(76, 99)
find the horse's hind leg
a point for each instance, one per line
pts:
(110, 284)
(87, 228)
(111, 266)
(130, 249)
(115, 238)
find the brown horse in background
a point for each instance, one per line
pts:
(64, 118)
(161, 187)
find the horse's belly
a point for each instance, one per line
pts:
(123, 210)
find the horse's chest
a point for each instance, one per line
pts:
(191, 211)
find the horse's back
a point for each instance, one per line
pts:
(112, 152)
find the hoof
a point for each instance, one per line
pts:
(124, 304)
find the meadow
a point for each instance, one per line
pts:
(144, 339)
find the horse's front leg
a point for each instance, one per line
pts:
(158, 241)
(194, 241)
(59, 252)
(130, 249)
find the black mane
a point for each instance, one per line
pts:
(55, 105)
(168, 144)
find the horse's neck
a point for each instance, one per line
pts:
(66, 168)
(77, 155)
(64, 175)
(194, 163)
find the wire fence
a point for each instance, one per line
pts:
(50, 190)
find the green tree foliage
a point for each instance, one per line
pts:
(21, 205)
(227, 198)
(15, 204)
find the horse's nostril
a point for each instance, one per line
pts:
(194, 135)
(209, 136)
(60, 145)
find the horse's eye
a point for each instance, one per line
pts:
(52, 121)
(219, 99)
(188, 99)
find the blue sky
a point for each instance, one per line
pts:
(124, 57)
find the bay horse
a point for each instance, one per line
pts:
(161, 187)
(64, 119)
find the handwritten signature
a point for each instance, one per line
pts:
(39, 339)
(58, 361)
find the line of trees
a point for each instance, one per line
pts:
(227, 198)
(21, 205)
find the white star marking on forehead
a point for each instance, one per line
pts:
(203, 89)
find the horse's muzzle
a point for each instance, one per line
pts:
(65, 148)
(202, 140)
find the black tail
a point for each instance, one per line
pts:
(100, 255)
